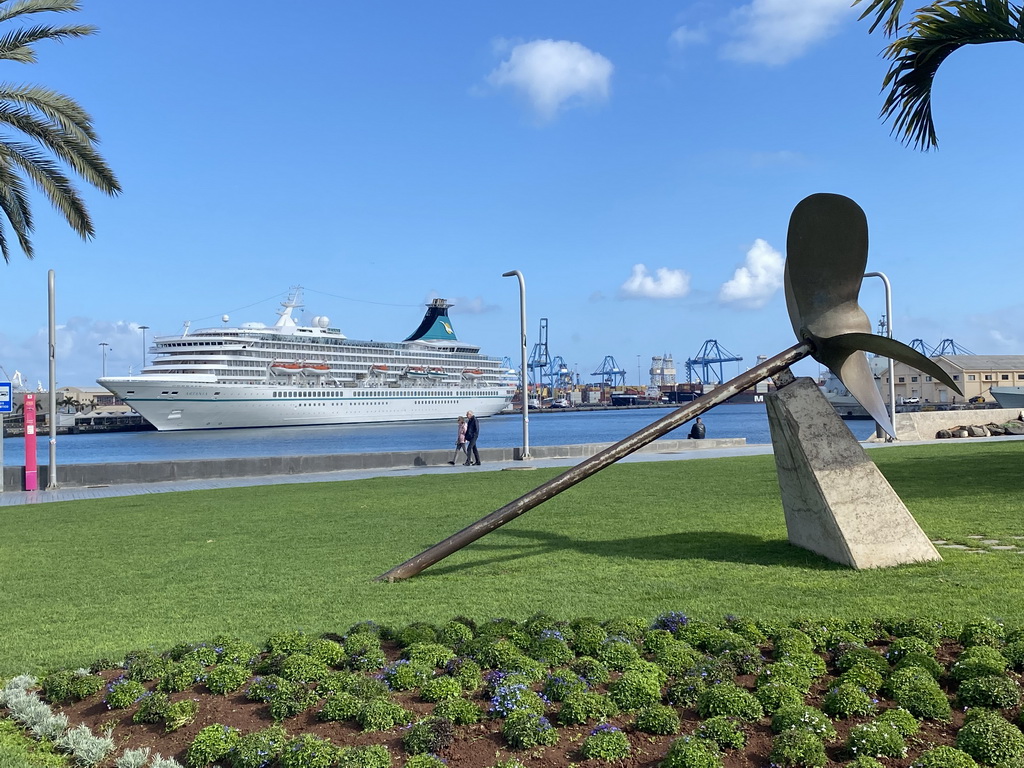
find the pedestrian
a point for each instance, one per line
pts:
(472, 433)
(460, 440)
(697, 431)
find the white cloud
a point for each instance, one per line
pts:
(777, 31)
(554, 75)
(685, 37)
(753, 284)
(664, 284)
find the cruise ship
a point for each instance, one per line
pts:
(294, 375)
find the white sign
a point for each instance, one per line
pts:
(5, 397)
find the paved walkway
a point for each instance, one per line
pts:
(14, 498)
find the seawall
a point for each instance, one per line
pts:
(85, 475)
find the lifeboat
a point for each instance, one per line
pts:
(472, 373)
(316, 367)
(378, 368)
(416, 370)
(283, 367)
(436, 373)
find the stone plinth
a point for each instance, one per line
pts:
(837, 503)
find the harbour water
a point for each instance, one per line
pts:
(546, 428)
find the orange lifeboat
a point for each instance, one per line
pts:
(283, 367)
(378, 368)
(472, 373)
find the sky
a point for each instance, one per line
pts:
(638, 163)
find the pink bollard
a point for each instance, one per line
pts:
(31, 469)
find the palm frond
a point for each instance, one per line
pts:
(886, 12)
(54, 183)
(25, 7)
(935, 32)
(61, 109)
(17, 44)
(15, 207)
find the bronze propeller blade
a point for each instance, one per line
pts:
(827, 251)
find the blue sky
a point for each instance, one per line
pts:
(637, 162)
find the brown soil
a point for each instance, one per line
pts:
(476, 746)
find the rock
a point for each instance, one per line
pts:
(976, 431)
(960, 433)
(943, 434)
(995, 430)
(1014, 427)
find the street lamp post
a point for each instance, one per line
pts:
(524, 388)
(143, 328)
(639, 381)
(104, 346)
(888, 332)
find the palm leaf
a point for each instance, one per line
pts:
(935, 32)
(887, 12)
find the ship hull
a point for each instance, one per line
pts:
(177, 404)
(1009, 397)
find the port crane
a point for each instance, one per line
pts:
(610, 372)
(540, 358)
(711, 354)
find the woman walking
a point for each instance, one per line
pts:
(460, 441)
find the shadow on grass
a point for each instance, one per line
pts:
(738, 548)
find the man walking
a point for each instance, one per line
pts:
(472, 432)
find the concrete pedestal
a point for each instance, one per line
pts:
(837, 503)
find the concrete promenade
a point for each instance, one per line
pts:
(563, 456)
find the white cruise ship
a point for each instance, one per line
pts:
(292, 375)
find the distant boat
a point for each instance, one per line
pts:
(417, 370)
(316, 367)
(280, 366)
(1009, 397)
(378, 368)
(437, 373)
(472, 373)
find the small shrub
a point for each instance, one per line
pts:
(635, 690)
(811, 663)
(656, 639)
(523, 729)
(309, 751)
(425, 761)
(1014, 653)
(459, 711)
(211, 744)
(876, 740)
(672, 621)
(417, 632)
(916, 627)
(631, 627)
(658, 719)
(675, 657)
(287, 643)
(584, 707)
(514, 697)
(372, 756)
(691, 752)
(551, 648)
(381, 715)
(863, 677)
(180, 714)
(454, 634)
(259, 749)
(723, 731)
(901, 646)
(589, 639)
(944, 757)
(790, 640)
(993, 691)
(922, 660)
(776, 694)
(340, 706)
(982, 632)
(864, 761)
(76, 685)
(152, 708)
(863, 656)
(432, 734)
(227, 678)
(303, 668)
(797, 748)
(991, 739)
(181, 676)
(605, 742)
(847, 700)
(729, 699)
(122, 693)
(804, 718)
(405, 675)
(466, 671)
(979, 661)
(88, 749)
(901, 720)
(594, 672)
(917, 692)
(143, 666)
(785, 672)
(327, 652)
(430, 654)
(618, 653)
(133, 758)
(562, 683)
(231, 650)
(440, 688)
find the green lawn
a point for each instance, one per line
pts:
(707, 537)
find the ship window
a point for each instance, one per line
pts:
(216, 393)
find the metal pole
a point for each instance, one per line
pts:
(51, 475)
(103, 346)
(888, 331)
(522, 368)
(143, 328)
(596, 463)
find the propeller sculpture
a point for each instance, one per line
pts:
(827, 249)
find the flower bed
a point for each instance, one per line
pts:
(548, 693)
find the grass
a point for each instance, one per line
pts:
(99, 578)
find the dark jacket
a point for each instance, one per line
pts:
(472, 429)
